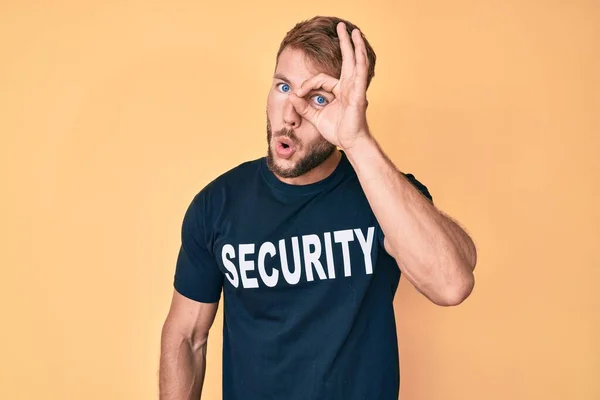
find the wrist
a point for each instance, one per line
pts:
(363, 143)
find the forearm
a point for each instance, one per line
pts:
(434, 253)
(182, 368)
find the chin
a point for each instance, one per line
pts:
(286, 163)
(283, 167)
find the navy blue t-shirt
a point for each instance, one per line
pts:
(307, 285)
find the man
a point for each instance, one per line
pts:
(308, 243)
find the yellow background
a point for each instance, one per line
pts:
(114, 114)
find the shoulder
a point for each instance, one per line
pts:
(238, 173)
(232, 179)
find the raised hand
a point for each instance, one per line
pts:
(344, 120)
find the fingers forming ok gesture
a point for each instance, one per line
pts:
(343, 120)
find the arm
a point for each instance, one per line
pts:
(183, 348)
(433, 252)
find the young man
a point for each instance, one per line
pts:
(308, 243)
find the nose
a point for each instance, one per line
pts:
(291, 118)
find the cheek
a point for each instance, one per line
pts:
(273, 107)
(310, 137)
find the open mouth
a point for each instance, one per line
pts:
(285, 142)
(285, 147)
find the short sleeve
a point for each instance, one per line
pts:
(424, 191)
(422, 188)
(197, 274)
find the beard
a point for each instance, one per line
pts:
(316, 153)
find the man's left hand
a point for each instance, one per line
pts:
(344, 120)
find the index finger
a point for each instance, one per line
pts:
(322, 80)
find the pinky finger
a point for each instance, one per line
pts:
(360, 51)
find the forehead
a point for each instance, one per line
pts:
(295, 66)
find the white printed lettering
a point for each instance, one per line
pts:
(366, 245)
(229, 251)
(344, 237)
(312, 257)
(329, 255)
(291, 278)
(269, 280)
(264, 269)
(247, 265)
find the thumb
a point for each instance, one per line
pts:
(304, 109)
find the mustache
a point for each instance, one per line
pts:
(288, 133)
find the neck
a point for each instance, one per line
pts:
(316, 174)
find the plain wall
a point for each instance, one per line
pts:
(114, 114)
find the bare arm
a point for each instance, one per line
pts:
(183, 348)
(433, 252)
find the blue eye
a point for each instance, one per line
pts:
(285, 87)
(320, 100)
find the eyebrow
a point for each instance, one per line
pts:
(281, 77)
